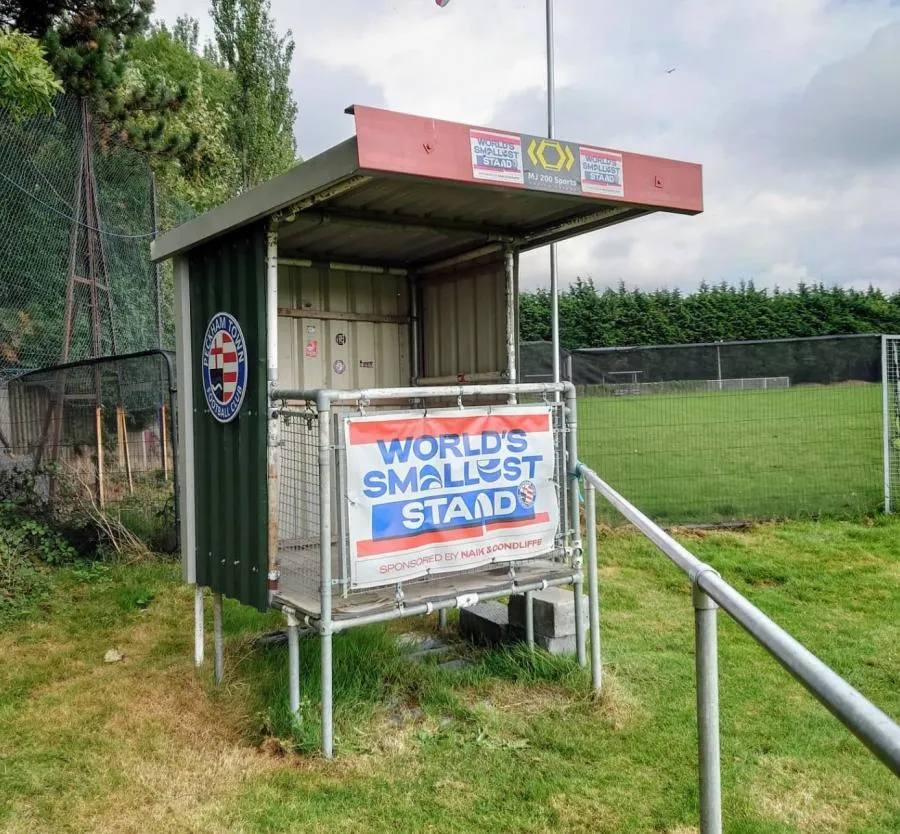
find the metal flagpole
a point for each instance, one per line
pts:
(551, 130)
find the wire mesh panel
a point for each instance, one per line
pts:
(300, 504)
(99, 433)
(64, 224)
(736, 432)
(298, 500)
(891, 417)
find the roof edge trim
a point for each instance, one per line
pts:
(332, 166)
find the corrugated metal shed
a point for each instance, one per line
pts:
(387, 260)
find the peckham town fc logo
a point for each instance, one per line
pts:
(224, 366)
(527, 493)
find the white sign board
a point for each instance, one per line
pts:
(448, 490)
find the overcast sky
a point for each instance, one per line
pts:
(792, 107)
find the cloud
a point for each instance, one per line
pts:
(317, 90)
(791, 107)
(850, 112)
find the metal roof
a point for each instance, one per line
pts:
(411, 192)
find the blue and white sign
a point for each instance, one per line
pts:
(601, 172)
(224, 367)
(446, 491)
(496, 156)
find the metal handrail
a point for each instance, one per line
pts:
(878, 731)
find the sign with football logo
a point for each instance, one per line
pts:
(224, 365)
(447, 491)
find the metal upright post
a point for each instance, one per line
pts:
(590, 498)
(551, 130)
(293, 662)
(512, 336)
(442, 619)
(529, 620)
(575, 519)
(324, 408)
(580, 650)
(198, 625)
(719, 363)
(218, 639)
(707, 711)
(273, 421)
(886, 422)
(157, 268)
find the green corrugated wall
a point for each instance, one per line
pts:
(229, 275)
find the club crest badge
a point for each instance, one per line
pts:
(527, 493)
(224, 367)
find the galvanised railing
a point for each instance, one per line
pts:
(868, 723)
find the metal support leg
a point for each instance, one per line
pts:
(590, 498)
(325, 463)
(218, 640)
(327, 713)
(442, 619)
(529, 620)
(198, 626)
(293, 662)
(580, 652)
(708, 712)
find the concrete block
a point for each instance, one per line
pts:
(485, 624)
(553, 645)
(554, 612)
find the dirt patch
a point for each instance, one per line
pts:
(785, 791)
(614, 705)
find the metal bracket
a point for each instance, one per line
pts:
(702, 601)
(466, 600)
(577, 556)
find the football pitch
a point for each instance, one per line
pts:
(736, 456)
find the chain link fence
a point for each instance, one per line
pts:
(732, 431)
(99, 435)
(48, 211)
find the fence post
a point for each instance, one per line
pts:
(198, 625)
(218, 638)
(575, 517)
(580, 653)
(590, 499)
(293, 662)
(886, 422)
(98, 429)
(325, 628)
(529, 620)
(707, 666)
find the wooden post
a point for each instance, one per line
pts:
(120, 436)
(98, 424)
(123, 435)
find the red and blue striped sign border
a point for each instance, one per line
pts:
(399, 429)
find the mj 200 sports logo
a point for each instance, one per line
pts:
(224, 366)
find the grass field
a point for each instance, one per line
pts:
(148, 745)
(793, 453)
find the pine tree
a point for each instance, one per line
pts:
(88, 46)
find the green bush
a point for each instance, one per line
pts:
(34, 538)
